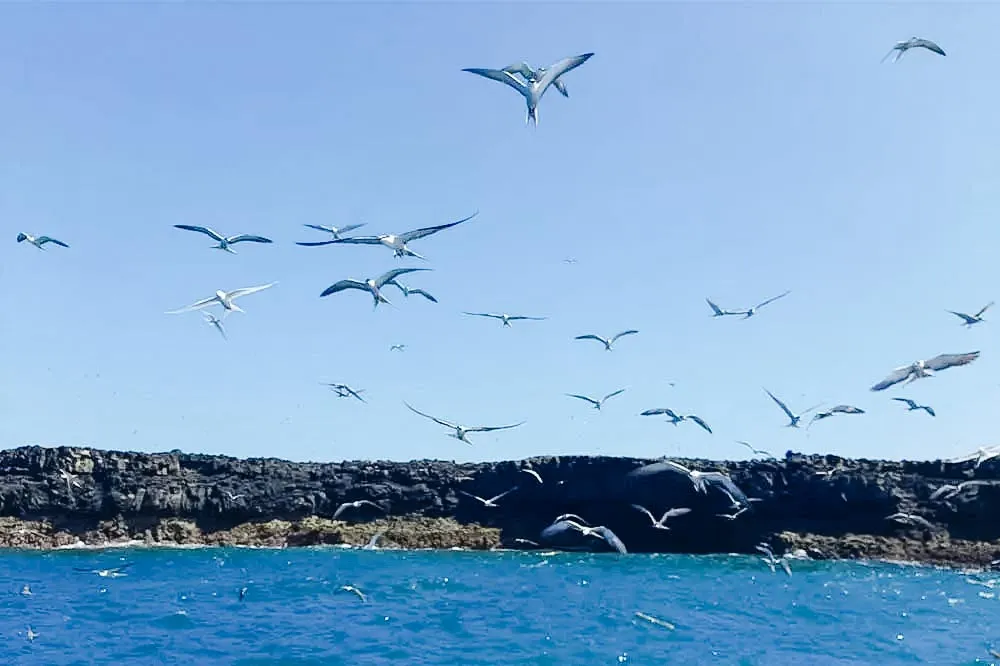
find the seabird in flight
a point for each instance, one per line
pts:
(225, 299)
(913, 42)
(505, 318)
(913, 406)
(345, 391)
(676, 418)
(40, 241)
(793, 419)
(355, 505)
(407, 291)
(529, 74)
(224, 241)
(336, 231)
(661, 524)
(371, 285)
(597, 404)
(839, 409)
(490, 503)
(216, 322)
(607, 342)
(460, 430)
(926, 368)
(970, 320)
(395, 242)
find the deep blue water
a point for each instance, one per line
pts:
(182, 607)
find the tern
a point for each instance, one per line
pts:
(490, 503)
(336, 231)
(733, 516)
(407, 291)
(225, 299)
(504, 317)
(596, 403)
(771, 560)
(970, 320)
(947, 491)
(371, 285)
(607, 342)
(355, 505)
(719, 312)
(913, 406)
(232, 497)
(40, 241)
(676, 418)
(354, 590)
(216, 322)
(910, 519)
(532, 89)
(345, 391)
(755, 451)
(460, 430)
(224, 241)
(839, 409)
(913, 42)
(926, 368)
(661, 524)
(395, 242)
(397, 348)
(600, 532)
(113, 572)
(793, 419)
(529, 74)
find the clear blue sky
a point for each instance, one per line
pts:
(723, 150)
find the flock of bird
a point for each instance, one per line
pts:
(532, 84)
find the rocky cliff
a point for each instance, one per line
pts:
(828, 506)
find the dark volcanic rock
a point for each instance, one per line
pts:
(823, 504)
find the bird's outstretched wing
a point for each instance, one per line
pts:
(483, 314)
(715, 308)
(42, 240)
(389, 276)
(911, 403)
(321, 227)
(446, 424)
(591, 336)
(645, 511)
(558, 69)
(356, 240)
(699, 421)
(521, 68)
(196, 305)
(673, 513)
(342, 285)
(658, 411)
(612, 394)
(491, 428)
(501, 76)
(424, 294)
(929, 45)
(783, 406)
(427, 231)
(475, 497)
(249, 238)
(502, 495)
(950, 360)
(561, 87)
(630, 331)
(847, 409)
(772, 300)
(928, 409)
(202, 230)
(895, 49)
(966, 318)
(985, 308)
(896, 376)
(524, 318)
(246, 291)
(583, 397)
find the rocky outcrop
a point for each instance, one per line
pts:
(828, 506)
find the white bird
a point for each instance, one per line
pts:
(355, 505)
(676, 418)
(755, 451)
(345, 391)
(914, 42)
(335, 231)
(504, 317)
(910, 519)
(981, 455)
(535, 475)
(395, 242)
(40, 241)
(732, 516)
(913, 406)
(232, 497)
(661, 524)
(354, 590)
(970, 320)
(224, 241)
(947, 491)
(216, 322)
(529, 74)
(371, 285)
(793, 419)
(926, 368)
(26, 590)
(490, 503)
(839, 409)
(70, 479)
(600, 532)
(532, 89)
(225, 299)
(31, 634)
(460, 430)
(113, 572)
(771, 560)
(407, 291)
(607, 342)
(596, 403)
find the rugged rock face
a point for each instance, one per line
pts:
(829, 506)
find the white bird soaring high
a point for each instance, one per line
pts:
(607, 342)
(460, 430)
(504, 317)
(970, 320)
(918, 369)
(225, 299)
(912, 43)
(371, 285)
(40, 241)
(335, 231)
(596, 404)
(490, 503)
(529, 74)
(793, 419)
(532, 89)
(395, 242)
(224, 241)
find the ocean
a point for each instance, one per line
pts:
(182, 606)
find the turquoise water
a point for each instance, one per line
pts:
(183, 607)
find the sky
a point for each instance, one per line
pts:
(729, 151)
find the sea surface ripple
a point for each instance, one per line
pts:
(181, 606)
